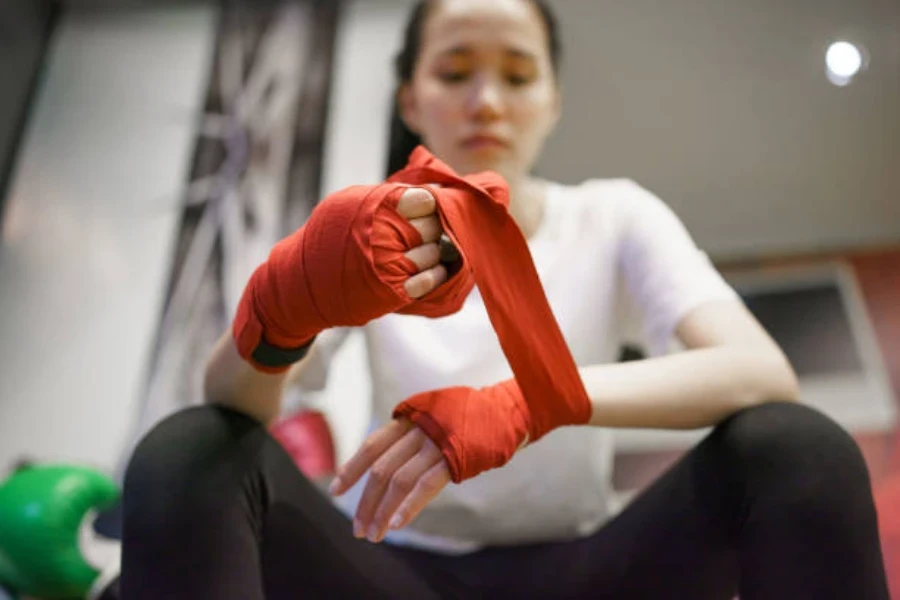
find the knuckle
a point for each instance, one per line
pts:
(403, 482)
(433, 450)
(379, 475)
(430, 255)
(400, 426)
(439, 275)
(425, 284)
(420, 198)
(368, 448)
(424, 193)
(415, 286)
(431, 483)
(428, 485)
(433, 223)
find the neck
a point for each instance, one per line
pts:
(526, 204)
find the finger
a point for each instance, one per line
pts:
(420, 284)
(372, 448)
(400, 488)
(415, 203)
(380, 476)
(428, 486)
(428, 227)
(425, 256)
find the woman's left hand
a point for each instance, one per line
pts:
(407, 470)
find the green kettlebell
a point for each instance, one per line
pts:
(42, 509)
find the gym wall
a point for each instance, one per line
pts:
(725, 111)
(25, 27)
(91, 220)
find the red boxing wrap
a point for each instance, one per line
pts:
(344, 267)
(482, 429)
(476, 430)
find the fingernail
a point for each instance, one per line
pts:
(373, 533)
(335, 485)
(396, 522)
(357, 529)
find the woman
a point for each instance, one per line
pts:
(774, 503)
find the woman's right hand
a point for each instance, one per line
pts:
(419, 207)
(364, 252)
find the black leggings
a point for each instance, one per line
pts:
(774, 503)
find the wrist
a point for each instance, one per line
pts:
(262, 344)
(276, 358)
(545, 412)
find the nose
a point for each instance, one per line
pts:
(485, 98)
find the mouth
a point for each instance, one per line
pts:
(484, 142)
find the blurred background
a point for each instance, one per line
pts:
(152, 152)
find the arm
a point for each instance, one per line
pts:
(730, 363)
(232, 382)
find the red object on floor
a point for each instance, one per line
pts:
(307, 438)
(887, 501)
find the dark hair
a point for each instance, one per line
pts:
(402, 141)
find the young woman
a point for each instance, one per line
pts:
(774, 503)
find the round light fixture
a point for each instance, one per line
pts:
(843, 61)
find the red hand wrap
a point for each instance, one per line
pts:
(476, 430)
(482, 429)
(344, 267)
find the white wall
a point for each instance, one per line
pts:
(724, 110)
(89, 226)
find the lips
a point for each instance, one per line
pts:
(479, 141)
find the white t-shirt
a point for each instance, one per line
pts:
(607, 251)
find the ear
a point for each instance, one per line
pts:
(409, 113)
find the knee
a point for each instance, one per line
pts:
(791, 445)
(185, 456)
(184, 442)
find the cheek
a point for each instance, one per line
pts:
(437, 107)
(535, 114)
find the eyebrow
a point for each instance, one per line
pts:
(465, 50)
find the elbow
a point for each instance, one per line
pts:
(791, 384)
(779, 382)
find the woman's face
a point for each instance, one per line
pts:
(483, 95)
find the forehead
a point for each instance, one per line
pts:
(484, 24)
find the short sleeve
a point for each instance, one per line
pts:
(665, 273)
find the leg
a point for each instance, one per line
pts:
(774, 503)
(807, 526)
(214, 508)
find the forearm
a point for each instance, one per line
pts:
(231, 381)
(687, 390)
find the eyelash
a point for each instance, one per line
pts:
(456, 77)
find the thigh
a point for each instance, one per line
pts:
(308, 548)
(674, 540)
(214, 507)
(671, 541)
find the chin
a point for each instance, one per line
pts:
(480, 164)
